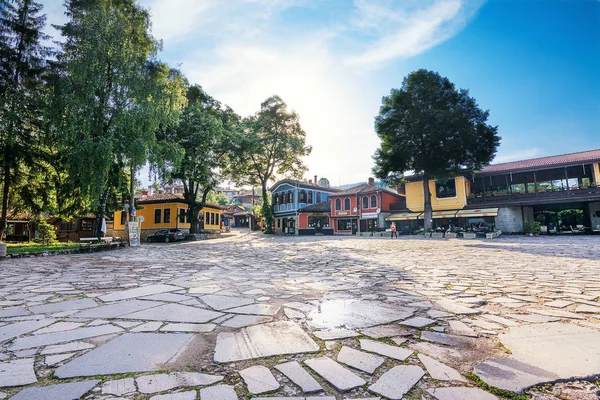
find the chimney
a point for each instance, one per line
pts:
(150, 191)
(372, 181)
(316, 181)
(310, 181)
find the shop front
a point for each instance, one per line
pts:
(369, 222)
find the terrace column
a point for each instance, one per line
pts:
(567, 179)
(535, 184)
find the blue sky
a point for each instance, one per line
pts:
(533, 63)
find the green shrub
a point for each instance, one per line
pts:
(46, 233)
(534, 227)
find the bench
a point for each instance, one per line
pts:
(493, 235)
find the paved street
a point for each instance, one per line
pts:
(304, 318)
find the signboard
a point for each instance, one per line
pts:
(370, 215)
(133, 230)
(342, 212)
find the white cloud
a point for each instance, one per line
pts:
(410, 28)
(518, 155)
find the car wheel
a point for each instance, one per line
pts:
(149, 240)
(166, 239)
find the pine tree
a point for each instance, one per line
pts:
(22, 65)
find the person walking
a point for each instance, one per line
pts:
(394, 233)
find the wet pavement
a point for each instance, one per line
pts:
(305, 317)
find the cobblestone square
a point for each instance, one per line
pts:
(412, 317)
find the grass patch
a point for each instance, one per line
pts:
(38, 248)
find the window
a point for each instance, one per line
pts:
(318, 197)
(123, 217)
(212, 218)
(347, 203)
(310, 197)
(373, 201)
(275, 199)
(69, 226)
(167, 216)
(344, 224)
(282, 198)
(290, 196)
(218, 217)
(87, 225)
(318, 222)
(182, 215)
(338, 204)
(445, 189)
(365, 202)
(157, 214)
(302, 196)
(278, 223)
(207, 218)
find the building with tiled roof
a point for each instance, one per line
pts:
(561, 192)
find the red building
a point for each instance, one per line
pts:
(363, 208)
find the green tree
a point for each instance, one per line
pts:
(205, 136)
(217, 198)
(22, 65)
(433, 129)
(274, 143)
(103, 96)
(46, 232)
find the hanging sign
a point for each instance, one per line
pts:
(133, 230)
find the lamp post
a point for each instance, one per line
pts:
(126, 207)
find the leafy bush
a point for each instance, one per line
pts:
(534, 227)
(46, 233)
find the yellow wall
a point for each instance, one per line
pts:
(147, 211)
(207, 218)
(596, 171)
(415, 197)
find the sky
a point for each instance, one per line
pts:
(532, 63)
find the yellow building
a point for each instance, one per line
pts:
(450, 195)
(168, 211)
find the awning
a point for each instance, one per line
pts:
(483, 212)
(404, 216)
(444, 214)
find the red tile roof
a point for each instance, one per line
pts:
(544, 162)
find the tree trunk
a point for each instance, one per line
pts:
(100, 215)
(5, 192)
(132, 196)
(267, 211)
(193, 211)
(428, 212)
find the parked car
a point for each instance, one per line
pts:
(166, 235)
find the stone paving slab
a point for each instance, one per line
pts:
(70, 305)
(256, 309)
(15, 329)
(139, 292)
(385, 331)
(360, 360)
(567, 350)
(461, 393)
(294, 371)
(17, 373)
(335, 334)
(198, 328)
(119, 387)
(128, 353)
(396, 382)
(440, 371)
(65, 348)
(271, 339)
(259, 379)
(335, 314)
(59, 327)
(395, 352)
(456, 307)
(189, 395)
(513, 375)
(118, 309)
(219, 302)
(240, 321)
(64, 391)
(149, 384)
(341, 378)
(218, 392)
(61, 337)
(174, 313)
(418, 322)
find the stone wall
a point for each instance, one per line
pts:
(510, 219)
